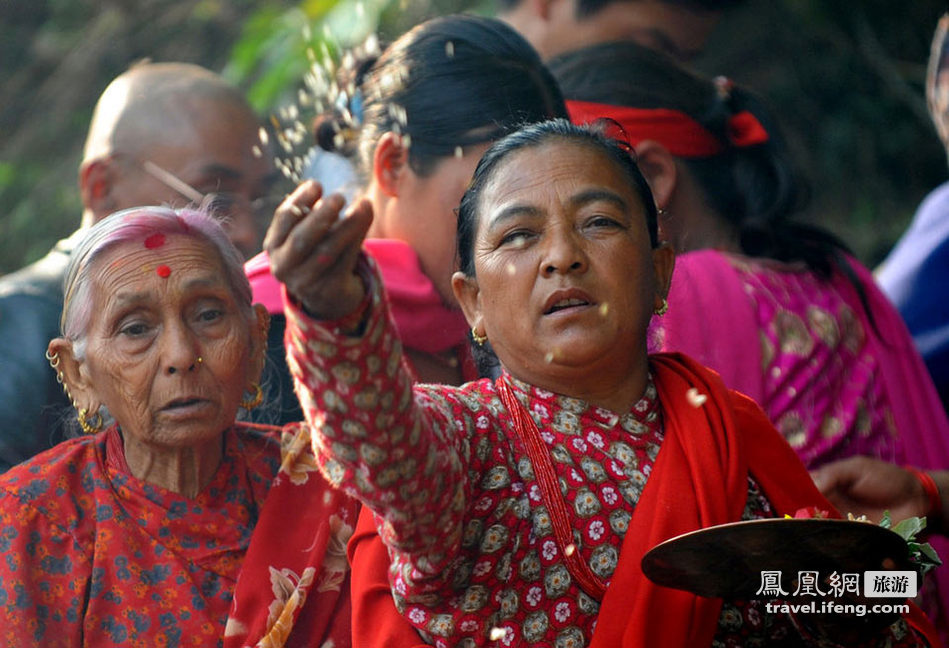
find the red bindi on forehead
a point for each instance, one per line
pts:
(163, 271)
(155, 241)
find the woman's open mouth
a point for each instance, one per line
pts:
(566, 303)
(563, 300)
(185, 406)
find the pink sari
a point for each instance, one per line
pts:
(425, 323)
(835, 383)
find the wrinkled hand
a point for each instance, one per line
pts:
(865, 486)
(313, 250)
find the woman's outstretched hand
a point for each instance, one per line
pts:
(314, 250)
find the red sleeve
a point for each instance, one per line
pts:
(376, 621)
(44, 579)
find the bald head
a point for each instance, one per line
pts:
(154, 102)
(191, 124)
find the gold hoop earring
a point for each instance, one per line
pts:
(258, 397)
(663, 308)
(53, 359)
(477, 337)
(89, 425)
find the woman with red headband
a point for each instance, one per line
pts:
(777, 307)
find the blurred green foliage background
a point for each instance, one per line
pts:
(845, 79)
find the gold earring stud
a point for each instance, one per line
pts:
(89, 425)
(478, 338)
(663, 308)
(252, 402)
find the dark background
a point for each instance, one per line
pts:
(845, 79)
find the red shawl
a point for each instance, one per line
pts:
(293, 589)
(699, 479)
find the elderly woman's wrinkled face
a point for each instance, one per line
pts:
(565, 274)
(169, 351)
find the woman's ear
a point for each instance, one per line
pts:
(469, 298)
(388, 163)
(72, 373)
(258, 342)
(659, 168)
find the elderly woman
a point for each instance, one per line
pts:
(517, 511)
(155, 527)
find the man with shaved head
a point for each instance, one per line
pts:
(161, 133)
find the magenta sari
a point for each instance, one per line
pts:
(835, 383)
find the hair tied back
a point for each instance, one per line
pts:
(613, 130)
(744, 130)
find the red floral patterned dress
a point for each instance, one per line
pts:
(92, 556)
(474, 557)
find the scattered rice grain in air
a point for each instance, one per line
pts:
(450, 49)
(511, 270)
(264, 137)
(497, 634)
(372, 44)
(549, 357)
(256, 151)
(570, 549)
(604, 309)
(459, 152)
(695, 398)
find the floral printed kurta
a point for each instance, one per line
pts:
(475, 561)
(95, 557)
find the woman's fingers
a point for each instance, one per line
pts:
(290, 212)
(317, 258)
(311, 232)
(334, 253)
(353, 228)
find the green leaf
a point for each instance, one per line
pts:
(909, 528)
(930, 553)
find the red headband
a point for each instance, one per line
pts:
(682, 135)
